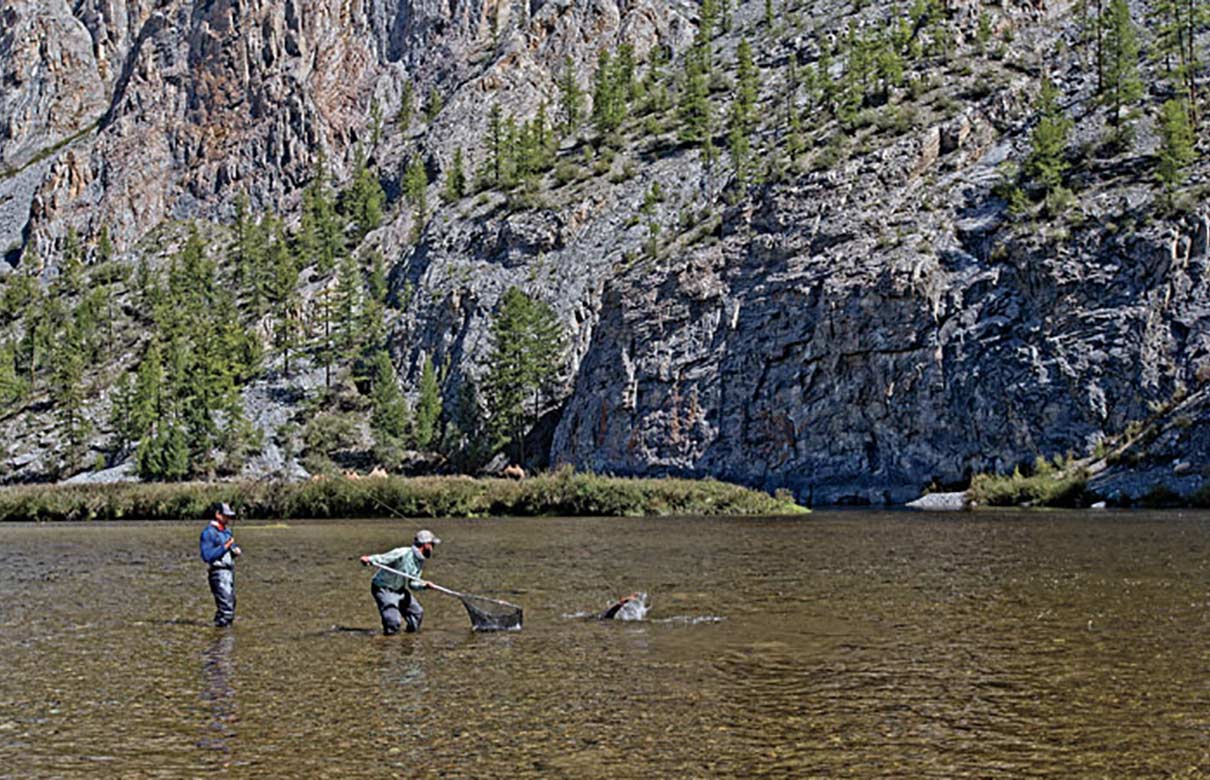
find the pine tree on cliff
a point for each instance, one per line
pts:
(71, 278)
(623, 71)
(495, 145)
(694, 109)
(415, 187)
(702, 45)
(428, 407)
(434, 106)
(347, 306)
(1123, 85)
(1177, 145)
(747, 86)
(329, 230)
(284, 294)
(148, 407)
(1047, 160)
(455, 179)
(68, 394)
(389, 418)
(1176, 24)
(362, 202)
(571, 97)
(372, 327)
(608, 102)
(527, 347)
(407, 107)
(12, 385)
(121, 415)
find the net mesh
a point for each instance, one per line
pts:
(491, 615)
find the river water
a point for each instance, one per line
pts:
(841, 645)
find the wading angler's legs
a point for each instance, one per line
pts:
(388, 608)
(222, 585)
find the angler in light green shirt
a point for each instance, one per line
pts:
(393, 592)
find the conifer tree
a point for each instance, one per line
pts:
(121, 415)
(285, 297)
(407, 107)
(377, 281)
(510, 152)
(415, 186)
(306, 239)
(68, 393)
(455, 179)
(496, 147)
(428, 407)
(1047, 162)
(434, 106)
(624, 73)
(375, 122)
(347, 307)
(746, 87)
(1122, 83)
(464, 440)
(694, 107)
(12, 385)
(795, 143)
(389, 418)
(1177, 141)
(148, 406)
(702, 49)
(71, 278)
(363, 201)
(608, 106)
(571, 97)
(527, 346)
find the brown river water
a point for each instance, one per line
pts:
(840, 645)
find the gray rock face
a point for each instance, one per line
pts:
(798, 353)
(853, 334)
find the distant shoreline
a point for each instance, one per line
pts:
(557, 494)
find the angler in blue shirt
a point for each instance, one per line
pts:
(219, 551)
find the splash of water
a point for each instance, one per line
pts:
(635, 609)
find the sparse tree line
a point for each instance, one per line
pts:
(861, 74)
(219, 316)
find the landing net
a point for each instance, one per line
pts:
(490, 614)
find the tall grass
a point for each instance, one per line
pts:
(1048, 485)
(560, 493)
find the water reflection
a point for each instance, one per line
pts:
(852, 646)
(218, 698)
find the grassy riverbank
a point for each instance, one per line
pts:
(1048, 485)
(562, 493)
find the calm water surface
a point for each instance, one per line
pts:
(843, 645)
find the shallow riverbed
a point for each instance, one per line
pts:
(861, 645)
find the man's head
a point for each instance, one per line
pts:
(424, 542)
(224, 513)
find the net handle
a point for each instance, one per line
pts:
(446, 591)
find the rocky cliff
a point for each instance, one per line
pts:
(855, 322)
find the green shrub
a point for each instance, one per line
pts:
(1047, 485)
